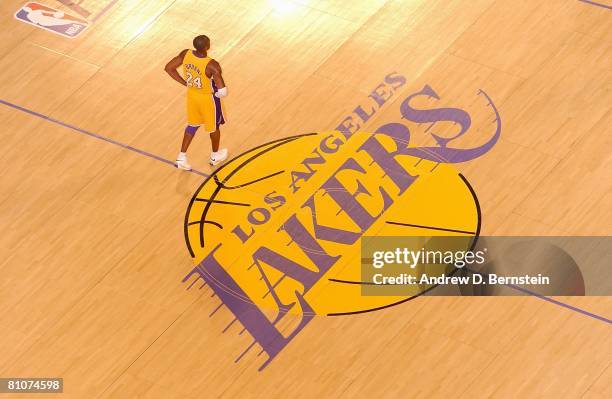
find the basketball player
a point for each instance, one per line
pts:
(205, 88)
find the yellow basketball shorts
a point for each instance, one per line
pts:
(204, 110)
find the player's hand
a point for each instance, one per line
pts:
(222, 92)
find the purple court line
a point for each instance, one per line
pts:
(596, 4)
(565, 305)
(97, 136)
(104, 10)
(554, 301)
(76, 8)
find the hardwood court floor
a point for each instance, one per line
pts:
(92, 236)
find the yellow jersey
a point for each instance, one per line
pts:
(194, 73)
(203, 108)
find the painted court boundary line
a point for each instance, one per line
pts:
(551, 300)
(96, 135)
(565, 305)
(594, 3)
(104, 10)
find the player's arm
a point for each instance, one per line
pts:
(217, 77)
(173, 65)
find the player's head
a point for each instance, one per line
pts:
(201, 43)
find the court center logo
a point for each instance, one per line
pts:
(275, 233)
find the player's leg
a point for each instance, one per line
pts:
(215, 139)
(181, 159)
(194, 120)
(213, 118)
(217, 155)
(188, 136)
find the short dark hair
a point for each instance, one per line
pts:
(201, 42)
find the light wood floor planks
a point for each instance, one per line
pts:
(92, 237)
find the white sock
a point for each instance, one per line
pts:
(182, 155)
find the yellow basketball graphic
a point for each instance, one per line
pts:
(284, 220)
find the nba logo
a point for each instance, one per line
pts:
(51, 19)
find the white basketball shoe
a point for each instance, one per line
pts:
(217, 157)
(182, 163)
